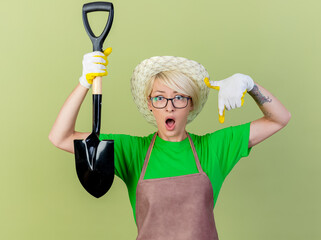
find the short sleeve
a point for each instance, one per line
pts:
(230, 145)
(126, 148)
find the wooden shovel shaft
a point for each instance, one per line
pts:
(97, 96)
(97, 85)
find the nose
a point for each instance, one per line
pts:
(170, 107)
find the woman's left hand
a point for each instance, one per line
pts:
(231, 92)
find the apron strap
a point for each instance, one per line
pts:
(147, 157)
(200, 170)
(198, 164)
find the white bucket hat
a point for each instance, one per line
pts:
(150, 67)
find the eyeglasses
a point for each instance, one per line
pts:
(178, 101)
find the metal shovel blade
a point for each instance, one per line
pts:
(95, 165)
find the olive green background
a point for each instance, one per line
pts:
(272, 194)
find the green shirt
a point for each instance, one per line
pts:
(218, 153)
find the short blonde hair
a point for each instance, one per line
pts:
(177, 81)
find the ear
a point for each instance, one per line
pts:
(149, 104)
(191, 106)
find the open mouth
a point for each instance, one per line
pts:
(170, 123)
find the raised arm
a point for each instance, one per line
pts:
(231, 94)
(63, 131)
(276, 116)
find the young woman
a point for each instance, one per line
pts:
(174, 177)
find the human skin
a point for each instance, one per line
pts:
(275, 115)
(63, 132)
(180, 115)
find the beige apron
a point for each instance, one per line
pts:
(175, 208)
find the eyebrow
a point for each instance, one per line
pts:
(163, 91)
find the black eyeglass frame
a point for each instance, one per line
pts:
(188, 98)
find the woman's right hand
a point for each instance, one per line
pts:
(94, 65)
(63, 131)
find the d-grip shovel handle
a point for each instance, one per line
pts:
(97, 46)
(93, 7)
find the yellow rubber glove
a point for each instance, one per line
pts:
(231, 92)
(94, 65)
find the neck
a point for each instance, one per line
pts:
(173, 138)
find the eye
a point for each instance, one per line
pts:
(158, 98)
(179, 97)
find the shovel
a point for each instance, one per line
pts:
(94, 158)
